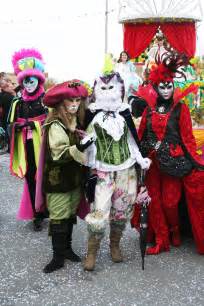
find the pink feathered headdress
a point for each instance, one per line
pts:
(28, 62)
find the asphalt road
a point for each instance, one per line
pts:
(174, 278)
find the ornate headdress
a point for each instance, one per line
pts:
(28, 62)
(166, 70)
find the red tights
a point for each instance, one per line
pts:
(165, 192)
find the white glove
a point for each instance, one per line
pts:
(92, 107)
(86, 139)
(145, 163)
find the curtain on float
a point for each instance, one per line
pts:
(181, 36)
(137, 37)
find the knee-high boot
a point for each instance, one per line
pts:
(93, 247)
(58, 232)
(69, 253)
(115, 237)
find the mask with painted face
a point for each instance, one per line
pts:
(72, 105)
(30, 84)
(166, 90)
(108, 93)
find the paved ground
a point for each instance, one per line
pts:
(174, 278)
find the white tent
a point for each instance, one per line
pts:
(159, 10)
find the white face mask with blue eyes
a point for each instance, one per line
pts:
(30, 84)
(166, 90)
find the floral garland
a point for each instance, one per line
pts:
(141, 58)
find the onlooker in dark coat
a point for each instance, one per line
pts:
(6, 97)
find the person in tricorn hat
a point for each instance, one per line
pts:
(63, 171)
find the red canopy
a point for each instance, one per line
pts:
(180, 35)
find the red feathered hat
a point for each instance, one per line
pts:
(166, 70)
(66, 90)
(161, 73)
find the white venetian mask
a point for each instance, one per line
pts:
(166, 90)
(30, 84)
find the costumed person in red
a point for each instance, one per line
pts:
(63, 174)
(166, 137)
(26, 117)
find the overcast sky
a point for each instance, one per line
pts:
(69, 34)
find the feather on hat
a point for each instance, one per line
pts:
(28, 62)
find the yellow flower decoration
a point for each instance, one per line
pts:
(88, 87)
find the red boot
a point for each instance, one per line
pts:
(160, 246)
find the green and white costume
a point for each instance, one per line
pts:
(113, 157)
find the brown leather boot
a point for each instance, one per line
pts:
(115, 236)
(93, 247)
